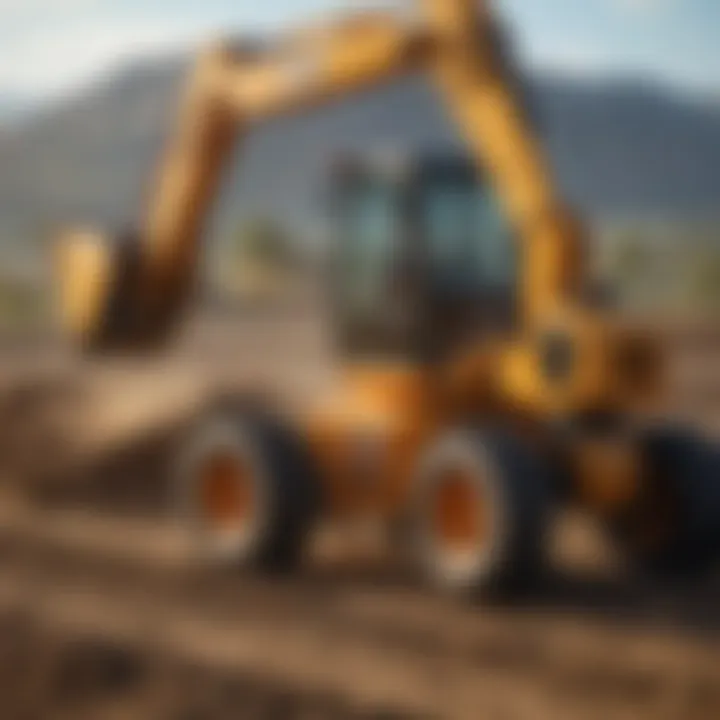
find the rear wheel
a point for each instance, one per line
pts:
(481, 513)
(673, 528)
(246, 491)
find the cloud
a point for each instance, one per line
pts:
(567, 57)
(52, 46)
(48, 46)
(643, 7)
(34, 5)
(47, 61)
(11, 10)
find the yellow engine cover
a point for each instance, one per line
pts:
(367, 435)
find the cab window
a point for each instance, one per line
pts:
(470, 244)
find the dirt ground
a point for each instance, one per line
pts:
(103, 614)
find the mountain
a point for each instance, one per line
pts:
(618, 149)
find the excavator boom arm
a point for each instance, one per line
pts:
(128, 295)
(232, 89)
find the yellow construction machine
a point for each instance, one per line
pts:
(481, 386)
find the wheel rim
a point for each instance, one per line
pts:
(226, 492)
(461, 522)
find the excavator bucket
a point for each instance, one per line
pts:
(85, 275)
(103, 302)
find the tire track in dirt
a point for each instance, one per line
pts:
(368, 638)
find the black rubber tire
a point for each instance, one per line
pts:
(688, 467)
(291, 499)
(518, 486)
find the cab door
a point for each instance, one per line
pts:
(469, 256)
(376, 272)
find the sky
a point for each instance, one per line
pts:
(49, 47)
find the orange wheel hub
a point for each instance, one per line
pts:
(226, 491)
(459, 512)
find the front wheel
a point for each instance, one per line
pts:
(245, 491)
(481, 513)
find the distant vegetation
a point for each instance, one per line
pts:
(23, 303)
(664, 268)
(257, 259)
(652, 268)
(260, 242)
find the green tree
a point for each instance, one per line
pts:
(263, 244)
(705, 280)
(260, 258)
(632, 257)
(21, 303)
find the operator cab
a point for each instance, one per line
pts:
(424, 260)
